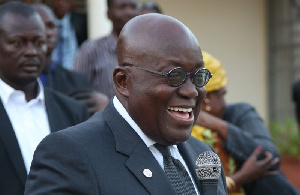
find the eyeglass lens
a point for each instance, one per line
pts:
(178, 76)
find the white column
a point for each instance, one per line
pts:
(98, 23)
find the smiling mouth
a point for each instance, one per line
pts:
(182, 113)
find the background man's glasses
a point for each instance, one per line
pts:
(177, 76)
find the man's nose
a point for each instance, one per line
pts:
(188, 88)
(30, 49)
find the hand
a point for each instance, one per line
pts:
(94, 100)
(254, 169)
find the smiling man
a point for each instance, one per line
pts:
(144, 132)
(28, 111)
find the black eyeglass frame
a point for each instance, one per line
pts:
(187, 74)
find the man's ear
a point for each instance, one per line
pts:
(121, 81)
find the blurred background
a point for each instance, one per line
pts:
(257, 41)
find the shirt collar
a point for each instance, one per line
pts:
(6, 91)
(41, 95)
(123, 112)
(65, 20)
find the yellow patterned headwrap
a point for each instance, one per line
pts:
(219, 79)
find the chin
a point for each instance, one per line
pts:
(28, 79)
(176, 139)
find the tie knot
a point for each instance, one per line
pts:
(164, 150)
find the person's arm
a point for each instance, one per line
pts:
(60, 166)
(214, 123)
(243, 132)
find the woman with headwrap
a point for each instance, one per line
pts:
(238, 134)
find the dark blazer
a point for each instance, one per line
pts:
(62, 112)
(245, 124)
(104, 155)
(66, 81)
(79, 23)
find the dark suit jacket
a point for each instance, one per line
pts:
(62, 112)
(66, 81)
(246, 130)
(79, 23)
(104, 155)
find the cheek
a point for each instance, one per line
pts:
(12, 57)
(52, 32)
(222, 108)
(147, 106)
(199, 106)
(150, 100)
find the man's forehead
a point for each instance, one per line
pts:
(18, 24)
(152, 34)
(16, 20)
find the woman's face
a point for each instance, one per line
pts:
(216, 102)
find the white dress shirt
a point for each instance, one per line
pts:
(29, 119)
(149, 142)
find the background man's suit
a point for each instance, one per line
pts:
(244, 124)
(62, 112)
(104, 155)
(65, 81)
(79, 23)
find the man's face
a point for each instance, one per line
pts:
(121, 12)
(22, 48)
(61, 7)
(166, 114)
(51, 29)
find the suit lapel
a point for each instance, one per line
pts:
(53, 111)
(142, 159)
(7, 135)
(139, 156)
(49, 109)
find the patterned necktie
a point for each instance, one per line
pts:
(176, 172)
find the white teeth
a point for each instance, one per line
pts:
(180, 109)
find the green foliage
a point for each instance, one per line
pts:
(286, 136)
(208, 138)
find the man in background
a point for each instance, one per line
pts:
(57, 77)
(28, 111)
(98, 58)
(72, 28)
(149, 7)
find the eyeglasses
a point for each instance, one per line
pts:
(178, 75)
